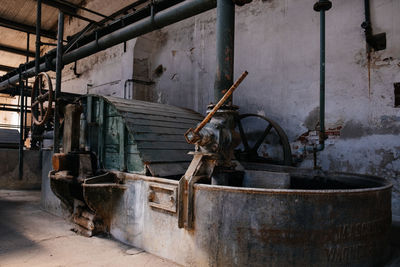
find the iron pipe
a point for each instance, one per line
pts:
(322, 82)
(59, 67)
(225, 48)
(321, 6)
(161, 19)
(38, 25)
(21, 129)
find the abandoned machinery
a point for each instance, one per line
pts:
(125, 169)
(214, 195)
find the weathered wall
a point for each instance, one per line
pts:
(278, 43)
(9, 170)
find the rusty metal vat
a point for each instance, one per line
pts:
(323, 219)
(278, 215)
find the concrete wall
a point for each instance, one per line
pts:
(278, 43)
(9, 178)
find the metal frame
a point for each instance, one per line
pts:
(6, 68)
(17, 51)
(25, 28)
(161, 19)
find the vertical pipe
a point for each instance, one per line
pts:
(37, 59)
(321, 6)
(26, 85)
(322, 81)
(59, 67)
(225, 48)
(21, 127)
(367, 11)
(38, 26)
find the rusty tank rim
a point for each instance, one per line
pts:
(385, 185)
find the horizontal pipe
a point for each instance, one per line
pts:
(6, 68)
(13, 109)
(17, 51)
(164, 18)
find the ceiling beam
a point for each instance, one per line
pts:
(6, 68)
(67, 9)
(26, 28)
(17, 51)
(63, 7)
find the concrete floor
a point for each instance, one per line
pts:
(30, 236)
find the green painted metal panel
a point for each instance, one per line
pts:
(134, 163)
(164, 145)
(111, 161)
(112, 130)
(101, 129)
(156, 129)
(122, 144)
(133, 134)
(159, 137)
(158, 123)
(165, 113)
(128, 115)
(150, 155)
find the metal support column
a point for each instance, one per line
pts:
(59, 67)
(38, 25)
(21, 127)
(225, 48)
(37, 61)
(26, 84)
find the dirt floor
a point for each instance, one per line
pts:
(30, 236)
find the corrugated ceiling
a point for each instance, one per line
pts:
(24, 11)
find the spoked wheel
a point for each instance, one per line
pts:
(258, 145)
(42, 104)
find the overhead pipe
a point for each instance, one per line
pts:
(225, 48)
(161, 19)
(321, 6)
(100, 32)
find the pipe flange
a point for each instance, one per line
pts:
(242, 2)
(322, 5)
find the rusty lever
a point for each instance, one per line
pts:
(191, 135)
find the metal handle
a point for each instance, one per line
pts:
(191, 135)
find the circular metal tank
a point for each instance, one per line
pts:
(321, 220)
